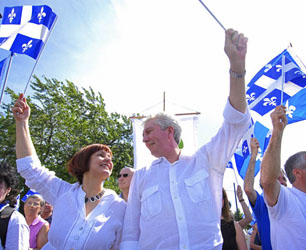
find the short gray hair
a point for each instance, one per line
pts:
(296, 161)
(37, 196)
(165, 121)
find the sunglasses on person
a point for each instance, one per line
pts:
(124, 175)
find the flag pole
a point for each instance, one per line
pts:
(212, 15)
(283, 79)
(6, 76)
(36, 61)
(235, 197)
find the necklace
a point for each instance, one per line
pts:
(95, 197)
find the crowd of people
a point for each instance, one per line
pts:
(175, 202)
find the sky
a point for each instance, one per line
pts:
(133, 51)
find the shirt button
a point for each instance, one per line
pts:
(81, 228)
(76, 237)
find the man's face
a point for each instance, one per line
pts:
(124, 178)
(282, 179)
(47, 208)
(155, 138)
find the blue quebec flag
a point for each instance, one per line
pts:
(243, 153)
(25, 29)
(265, 89)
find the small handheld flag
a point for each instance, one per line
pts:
(25, 29)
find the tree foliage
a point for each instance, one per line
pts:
(63, 120)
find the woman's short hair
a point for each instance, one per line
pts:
(36, 196)
(165, 121)
(79, 163)
(8, 175)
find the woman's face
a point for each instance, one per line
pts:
(4, 191)
(100, 164)
(32, 207)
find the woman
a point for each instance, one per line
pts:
(38, 226)
(233, 236)
(14, 230)
(85, 214)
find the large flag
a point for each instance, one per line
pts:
(265, 89)
(25, 29)
(189, 137)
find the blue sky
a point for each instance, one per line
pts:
(133, 50)
(77, 28)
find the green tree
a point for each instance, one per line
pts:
(63, 120)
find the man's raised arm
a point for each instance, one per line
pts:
(235, 48)
(270, 166)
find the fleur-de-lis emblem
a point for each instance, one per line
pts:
(26, 46)
(290, 109)
(267, 67)
(41, 14)
(250, 97)
(12, 15)
(271, 102)
(278, 68)
(259, 155)
(298, 72)
(245, 149)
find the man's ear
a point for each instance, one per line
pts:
(296, 172)
(171, 130)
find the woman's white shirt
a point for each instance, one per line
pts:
(71, 228)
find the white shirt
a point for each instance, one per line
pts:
(70, 228)
(288, 220)
(18, 233)
(178, 206)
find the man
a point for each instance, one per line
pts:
(46, 212)
(256, 200)
(286, 206)
(176, 202)
(124, 181)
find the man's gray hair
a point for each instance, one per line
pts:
(165, 121)
(297, 160)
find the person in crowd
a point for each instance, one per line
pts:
(86, 215)
(256, 200)
(255, 242)
(38, 226)
(246, 211)
(286, 206)
(14, 231)
(232, 233)
(124, 181)
(46, 212)
(179, 197)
